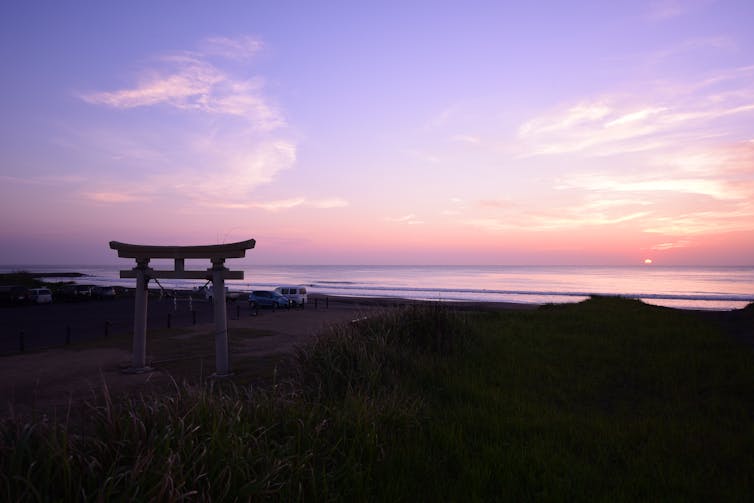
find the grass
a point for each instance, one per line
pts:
(609, 399)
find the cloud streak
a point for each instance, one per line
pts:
(409, 219)
(191, 82)
(620, 123)
(287, 204)
(226, 140)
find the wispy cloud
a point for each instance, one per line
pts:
(287, 204)
(718, 189)
(183, 81)
(190, 81)
(409, 219)
(42, 180)
(568, 218)
(237, 48)
(683, 243)
(467, 138)
(497, 203)
(622, 123)
(230, 140)
(333, 202)
(112, 197)
(424, 156)
(665, 9)
(692, 46)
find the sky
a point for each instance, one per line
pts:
(511, 133)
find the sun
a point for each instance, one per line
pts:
(647, 261)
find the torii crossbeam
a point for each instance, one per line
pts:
(217, 254)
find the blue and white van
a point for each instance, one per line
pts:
(296, 294)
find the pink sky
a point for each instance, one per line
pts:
(406, 133)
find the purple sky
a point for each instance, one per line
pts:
(384, 132)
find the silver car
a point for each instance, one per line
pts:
(264, 298)
(40, 295)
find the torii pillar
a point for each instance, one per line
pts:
(217, 254)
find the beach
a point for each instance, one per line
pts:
(70, 349)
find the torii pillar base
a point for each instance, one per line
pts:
(141, 297)
(222, 362)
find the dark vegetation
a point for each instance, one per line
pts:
(14, 286)
(605, 400)
(31, 279)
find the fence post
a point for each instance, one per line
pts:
(193, 317)
(107, 328)
(238, 312)
(21, 345)
(67, 334)
(327, 302)
(316, 302)
(168, 320)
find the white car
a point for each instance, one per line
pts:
(40, 295)
(296, 294)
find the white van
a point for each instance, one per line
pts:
(296, 294)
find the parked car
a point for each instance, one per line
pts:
(14, 294)
(296, 294)
(103, 292)
(266, 298)
(77, 292)
(40, 295)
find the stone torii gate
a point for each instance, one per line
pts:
(217, 254)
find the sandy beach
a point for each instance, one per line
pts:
(50, 373)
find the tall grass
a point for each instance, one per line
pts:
(304, 438)
(605, 400)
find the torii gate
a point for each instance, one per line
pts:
(217, 274)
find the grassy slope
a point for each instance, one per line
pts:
(608, 399)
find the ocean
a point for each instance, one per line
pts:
(680, 287)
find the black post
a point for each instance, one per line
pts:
(193, 316)
(316, 302)
(168, 320)
(238, 312)
(67, 334)
(107, 328)
(327, 302)
(21, 345)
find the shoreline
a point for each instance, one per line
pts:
(698, 288)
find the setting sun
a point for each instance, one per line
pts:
(647, 261)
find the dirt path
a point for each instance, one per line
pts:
(51, 379)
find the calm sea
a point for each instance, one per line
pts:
(682, 287)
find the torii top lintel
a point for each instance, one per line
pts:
(141, 252)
